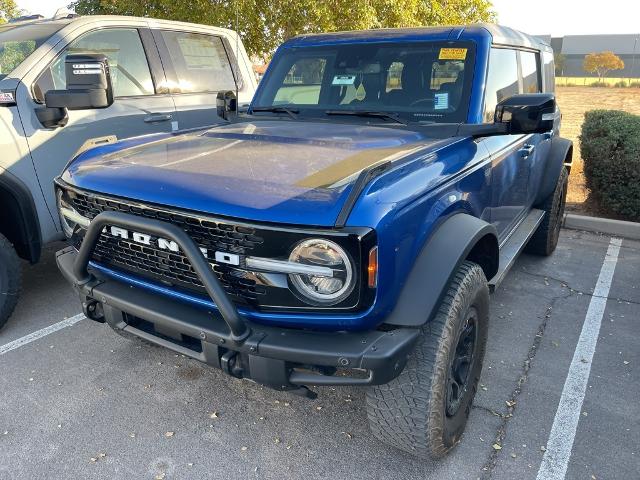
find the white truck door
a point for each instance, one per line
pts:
(198, 65)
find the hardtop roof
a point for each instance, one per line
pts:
(498, 34)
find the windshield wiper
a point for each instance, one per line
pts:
(292, 112)
(367, 113)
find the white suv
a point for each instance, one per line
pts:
(165, 76)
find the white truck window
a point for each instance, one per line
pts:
(200, 61)
(130, 75)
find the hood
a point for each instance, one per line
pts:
(291, 172)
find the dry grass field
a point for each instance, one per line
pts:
(574, 102)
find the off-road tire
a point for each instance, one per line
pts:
(10, 279)
(409, 412)
(545, 239)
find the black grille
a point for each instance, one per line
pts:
(173, 268)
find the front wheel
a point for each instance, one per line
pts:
(425, 409)
(10, 279)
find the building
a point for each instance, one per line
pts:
(575, 47)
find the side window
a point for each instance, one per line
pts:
(502, 79)
(549, 72)
(302, 82)
(200, 61)
(530, 72)
(130, 75)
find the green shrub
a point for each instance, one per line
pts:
(599, 84)
(634, 84)
(620, 84)
(610, 146)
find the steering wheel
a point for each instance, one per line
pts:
(421, 101)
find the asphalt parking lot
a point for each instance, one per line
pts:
(558, 397)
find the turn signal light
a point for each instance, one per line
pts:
(372, 269)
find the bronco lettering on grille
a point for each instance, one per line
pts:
(164, 244)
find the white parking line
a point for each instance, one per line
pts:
(40, 333)
(556, 458)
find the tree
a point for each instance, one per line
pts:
(559, 61)
(8, 10)
(265, 24)
(602, 63)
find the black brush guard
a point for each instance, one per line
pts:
(281, 358)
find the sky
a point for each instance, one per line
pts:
(537, 17)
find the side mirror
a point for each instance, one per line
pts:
(527, 113)
(226, 103)
(88, 84)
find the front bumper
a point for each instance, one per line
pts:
(285, 359)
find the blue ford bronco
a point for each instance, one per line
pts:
(346, 230)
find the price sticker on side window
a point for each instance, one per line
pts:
(452, 54)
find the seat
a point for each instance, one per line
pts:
(412, 88)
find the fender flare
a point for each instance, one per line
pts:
(560, 149)
(22, 212)
(457, 239)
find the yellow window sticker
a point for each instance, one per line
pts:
(452, 54)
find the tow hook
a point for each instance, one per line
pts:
(229, 364)
(92, 309)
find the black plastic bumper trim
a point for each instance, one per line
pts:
(268, 355)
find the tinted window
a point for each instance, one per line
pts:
(530, 76)
(200, 62)
(421, 81)
(502, 79)
(549, 72)
(128, 65)
(18, 42)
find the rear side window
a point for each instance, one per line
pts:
(200, 61)
(130, 75)
(530, 72)
(502, 79)
(549, 72)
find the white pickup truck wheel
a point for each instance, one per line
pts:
(10, 279)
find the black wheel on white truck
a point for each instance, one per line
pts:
(425, 409)
(10, 279)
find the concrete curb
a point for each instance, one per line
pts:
(618, 228)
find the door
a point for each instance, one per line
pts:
(198, 66)
(137, 108)
(532, 83)
(545, 83)
(511, 154)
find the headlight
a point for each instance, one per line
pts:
(69, 217)
(322, 289)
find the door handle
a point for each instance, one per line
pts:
(526, 150)
(157, 117)
(548, 135)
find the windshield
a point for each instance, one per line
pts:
(417, 81)
(18, 42)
